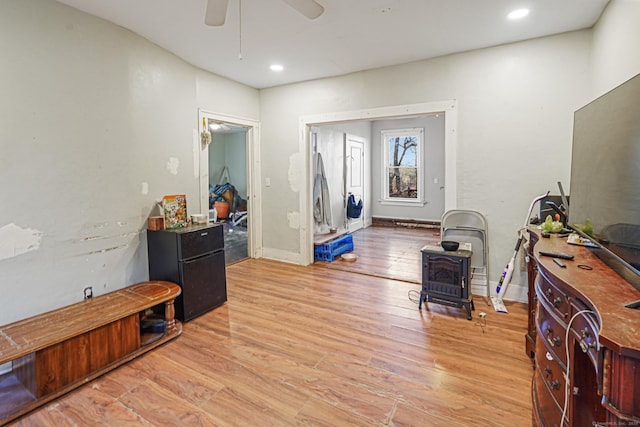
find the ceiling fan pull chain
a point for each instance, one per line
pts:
(240, 29)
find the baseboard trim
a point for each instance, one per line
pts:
(400, 222)
(284, 256)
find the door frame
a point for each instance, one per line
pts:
(254, 194)
(448, 108)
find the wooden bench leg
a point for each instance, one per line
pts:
(169, 315)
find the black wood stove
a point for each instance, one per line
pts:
(446, 278)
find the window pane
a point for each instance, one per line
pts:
(402, 164)
(403, 151)
(403, 182)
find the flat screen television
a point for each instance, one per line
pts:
(605, 177)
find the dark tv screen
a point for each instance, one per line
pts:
(605, 176)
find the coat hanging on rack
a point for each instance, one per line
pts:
(321, 202)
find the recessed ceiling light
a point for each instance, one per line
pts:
(517, 14)
(276, 67)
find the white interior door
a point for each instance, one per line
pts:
(354, 177)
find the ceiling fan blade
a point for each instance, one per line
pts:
(309, 8)
(216, 12)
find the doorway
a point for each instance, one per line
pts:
(228, 192)
(448, 109)
(228, 186)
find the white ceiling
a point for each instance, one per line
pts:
(351, 35)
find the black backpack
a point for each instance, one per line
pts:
(354, 210)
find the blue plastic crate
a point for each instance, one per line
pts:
(328, 251)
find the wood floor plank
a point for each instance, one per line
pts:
(316, 382)
(392, 252)
(234, 408)
(318, 346)
(322, 414)
(248, 381)
(188, 384)
(98, 408)
(410, 416)
(159, 406)
(49, 415)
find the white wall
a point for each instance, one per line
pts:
(616, 46)
(514, 128)
(96, 124)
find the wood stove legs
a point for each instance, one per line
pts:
(443, 300)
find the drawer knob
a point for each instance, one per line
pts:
(556, 302)
(548, 293)
(585, 346)
(556, 341)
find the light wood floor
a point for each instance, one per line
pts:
(316, 346)
(391, 252)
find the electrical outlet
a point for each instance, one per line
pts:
(88, 292)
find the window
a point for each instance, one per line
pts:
(402, 165)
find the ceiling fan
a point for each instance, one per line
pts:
(217, 10)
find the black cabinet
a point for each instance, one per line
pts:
(445, 278)
(192, 257)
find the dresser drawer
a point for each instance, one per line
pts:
(547, 411)
(586, 328)
(550, 373)
(552, 331)
(555, 298)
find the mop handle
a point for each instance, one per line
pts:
(536, 200)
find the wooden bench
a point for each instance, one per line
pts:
(55, 352)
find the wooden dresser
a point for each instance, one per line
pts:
(586, 343)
